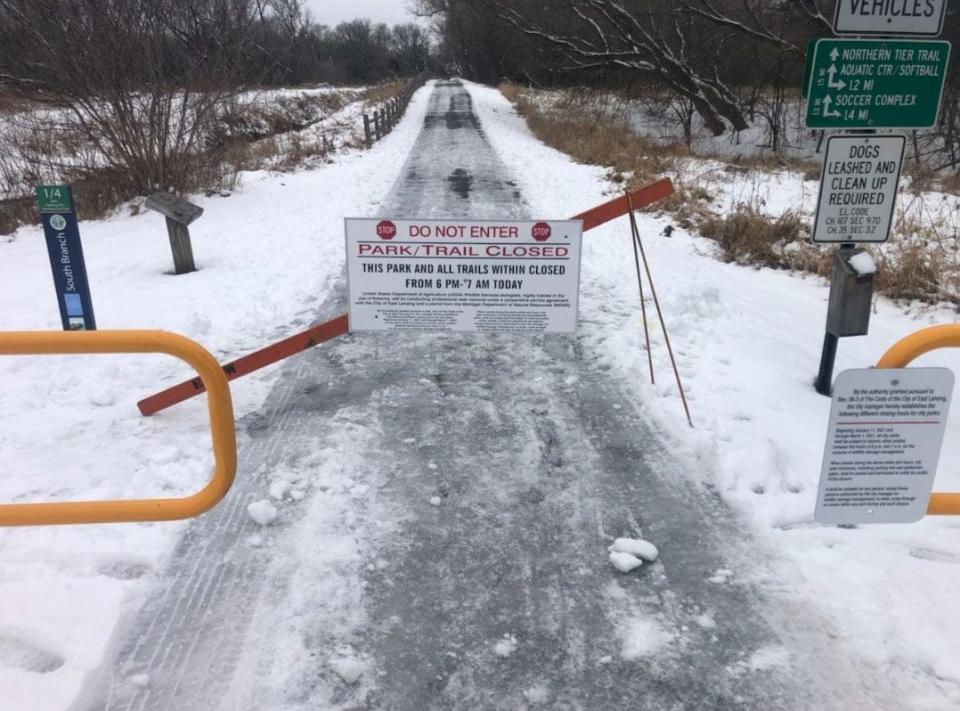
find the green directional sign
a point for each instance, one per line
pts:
(876, 83)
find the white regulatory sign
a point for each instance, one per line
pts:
(916, 18)
(858, 188)
(883, 445)
(450, 275)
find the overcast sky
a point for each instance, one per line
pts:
(332, 12)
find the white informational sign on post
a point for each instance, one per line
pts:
(912, 18)
(430, 275)
(883, 445)
(858, 189)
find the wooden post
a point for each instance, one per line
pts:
(179, 213)
(383, 121)
(181, 247)
(368, 139)
(376, 124)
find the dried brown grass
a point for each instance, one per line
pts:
(748, 235)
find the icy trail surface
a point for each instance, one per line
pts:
(445, 508)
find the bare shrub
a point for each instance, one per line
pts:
(748, 236)
(137, 84)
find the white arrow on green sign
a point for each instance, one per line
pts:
(869, 84)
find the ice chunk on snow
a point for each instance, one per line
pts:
(721, 576)
(506, 646)
(705, 621)
(348, 669)
(279, 489)
(436, 501)
(625, 562)
(643, 638)
(539, 694)
(140, 680)
(769, 658)
(635, 547)
(863, 264)
(263, 512)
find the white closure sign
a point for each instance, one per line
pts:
(883, 445)
(911, 18)
(468, 276)
(858, 189)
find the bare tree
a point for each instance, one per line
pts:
(139, 80)
(776, 22)
(650, 37)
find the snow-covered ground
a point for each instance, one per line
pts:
(69, 427)
(747, 343)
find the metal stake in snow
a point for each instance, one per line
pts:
(656, 301)
(643, 303)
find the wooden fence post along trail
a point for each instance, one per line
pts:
(386, 117)
(340, 325)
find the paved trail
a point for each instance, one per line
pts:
(540, 459)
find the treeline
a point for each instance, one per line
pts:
(131, 96)
(733, 62)
(289, 48)
(111, 44)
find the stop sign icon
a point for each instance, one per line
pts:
(542, 232)
(386, 230)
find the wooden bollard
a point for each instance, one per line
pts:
(367, 138)
(179, 214)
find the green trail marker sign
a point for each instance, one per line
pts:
(866, 84)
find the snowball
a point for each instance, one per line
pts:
(436, 501)
(279, 489)
(140, 680)
(506, 646)
(348, 669)
(863, 264)
(705, 621)
(635, 547)
(538, 695)
(625, 562)
(263, 512)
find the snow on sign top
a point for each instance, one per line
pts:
(909, 18)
